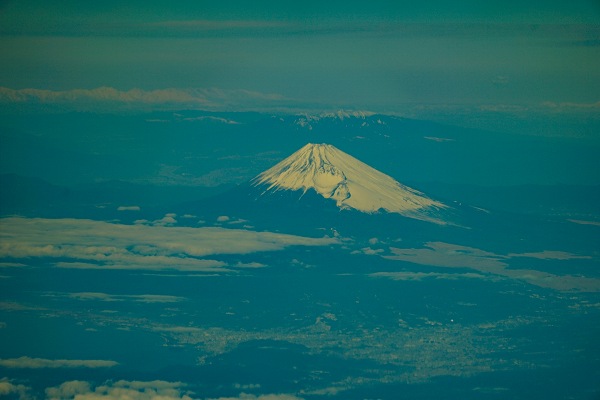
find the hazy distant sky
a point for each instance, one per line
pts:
(382, 56)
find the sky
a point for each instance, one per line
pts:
(384, 56)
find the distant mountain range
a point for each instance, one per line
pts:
(207, 149)
(93, 165)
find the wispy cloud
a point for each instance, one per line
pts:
(440, 254)
(550, 255)
(128, 208)
(13, 306)
(246, 396)
(438, 139)
(585, 222)
(169, 98)
(203, 25)
(11, 265)
(217, 99)
(419, 276)
(571, 107)
(103, 94)
(97, 296)
(91, 244)
(214, 119)
(449, 255)
(35, 363)
(172, 28)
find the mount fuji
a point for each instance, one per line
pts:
(349, 182)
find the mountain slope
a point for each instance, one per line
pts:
(351, 183)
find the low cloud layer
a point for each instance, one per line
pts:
(488, 264)
(87, 244)
(132, 390)
(108, 97)
(11, 389)
(140, 298)
(141, 390)
(245, 396)
(37, 363)
(419, 276)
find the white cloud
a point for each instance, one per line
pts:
(90, 296)
(169, 98)
(249, 265)
(136, 262)
(11, 265)
(209, 25)
(550, 255)
(369, 251)
(449, 255)
(35, 363)
(101, 245)
(7, 387)
(102, 94)
(68, 390)
(438, 139)
(247, 386)
(140, 298)
(212, 118)
(155, 298)
(245, 396)
(167, 220)
(130, 390)
(128, 208)
(238, 222)
(141, 390)
(568, 106)
(584, 222)
(418, 276)
(12, 306)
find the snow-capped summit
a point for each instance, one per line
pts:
(351, 183)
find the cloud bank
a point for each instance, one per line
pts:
(80, 243)
(36, 363)
(489, 264)
(169, 98)
(140, 298)
(419, 276)
(132, 390)
(140, 390)
(8, 388)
